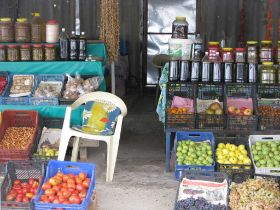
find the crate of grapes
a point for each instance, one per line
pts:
(265, 153)
(194, 151)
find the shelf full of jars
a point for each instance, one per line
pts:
(39, 40)
(225, 88)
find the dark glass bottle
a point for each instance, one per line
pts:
(73, 47)
(82, 47)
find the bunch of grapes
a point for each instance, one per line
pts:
(197, 204)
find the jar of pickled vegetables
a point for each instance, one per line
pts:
(22, 30)
(240, 55)
(252, 52)
(267, 73)
(6, 30)
(12, 53)
(38, 52)
(50, 52)
(3, 56)
(227, 55)
(266, 51)
(25, 52)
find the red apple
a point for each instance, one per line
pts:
(248, 112)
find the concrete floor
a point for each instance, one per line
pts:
(140, 181)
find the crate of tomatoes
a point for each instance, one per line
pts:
(67, 185)
(20, 184)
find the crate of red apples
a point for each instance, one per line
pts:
(67, 185)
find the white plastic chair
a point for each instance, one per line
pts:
(111, 140)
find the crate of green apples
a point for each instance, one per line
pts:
(265, 153)
(194, 151)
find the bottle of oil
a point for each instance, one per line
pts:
(38, 28)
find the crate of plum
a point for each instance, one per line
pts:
(269, 114)
(209, 107)
(194, 151)
(79, 182)
(241, 114)
(265, 153)
(233, 157)
(21, 184)
(18, 133)
(180, 106)
(202, 190)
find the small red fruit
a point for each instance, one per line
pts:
(82, 176)
(25, 200)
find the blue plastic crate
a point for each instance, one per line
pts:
(7, 100)
(67, 167)
(44, 101)
(196, 137)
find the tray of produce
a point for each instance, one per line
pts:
(19, 90)
(233, 157)
(209, 107)
(241, 114)
(78, 86)
(4, 80)
(265, 153)
(269, 114)
(194, 151)
(47, 90)
(18, 133)
(78, 180)
(180, 107)
(202, 190)
(237, 90)
(21, 184)
(260, 193)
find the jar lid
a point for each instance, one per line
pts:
(22, 20)
(181, 18)
(25, 46)
(5, 19)
(266, 41)
(36, 14)
(50, 45)
(252, 42)
(213, 43)
(12, 46)
(227, 49)
(52, 22)
(37, 45)
(240, 49)
(2, 46)
(268, 63)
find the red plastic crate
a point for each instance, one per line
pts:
(18, 118)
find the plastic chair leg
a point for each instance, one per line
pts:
(75, 149)
(63, 145)
(113, 160)
(108, 160)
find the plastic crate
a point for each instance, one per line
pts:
(181, 121)
(268, 91)
(242, 123)
(204, 176)
(67, 167)
(22, 170)
(211, 122)
(7, 100)
(210, 91)
(270, 121)
(44, 101)
(17, 118)
(252, 141)
(6, 75)
(237, 90)
(196, 137)
(236, 174)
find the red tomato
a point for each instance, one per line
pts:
(82, 176)
(24, 184)
(64, 185)
(43, 198)
(74, 199)
(59, 193)
(56, 200)
(52, 198)
(25, 190)
(29, 195)
(75, 192)
(78, 180)
(71, 189)
(80, 187)
(25, 200)
(56, 188)
(19, 198)
(17, 187)
(53, 181)
(65, 178)
(20, 191)
(13, 191)
(66, 194)
(46, 186)
(17, 182)
(11, 197)
(71, 185)
(60, 179)
(31, 181)
(61, 199)
(71, 181)
(66, 202)
(35, 185)
(83, 194)
(71, 176)
(86, 183)
(60, 174)
(49, 192)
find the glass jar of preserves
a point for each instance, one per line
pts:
(25, 52)
(6, 30)
(227, 58)
(180, 28)
(240, 55)
(12, 53)
(252, 52)
(3, 56)
(278, 52)
(38, 52)
(50, 52)
(227, 55)
(213, 47)
(266, 51)
(267, 73)
(22, 30)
